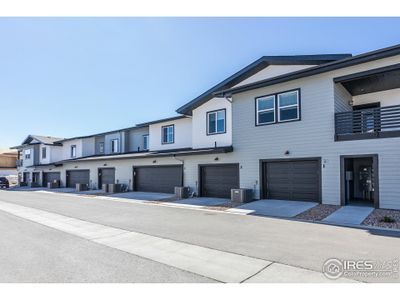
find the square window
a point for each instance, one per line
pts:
(216, 122)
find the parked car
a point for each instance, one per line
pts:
(4, 183)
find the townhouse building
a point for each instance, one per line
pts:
(323, 128)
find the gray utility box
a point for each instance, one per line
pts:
(181, 192)
(114, 188)
(53, 185)
(241, 195)
(104, 187)
(81, 187)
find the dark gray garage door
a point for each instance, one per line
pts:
(158, 179)
(106, 176)
(292, 180)
(77, 176)
(218, 180)
(50, 177)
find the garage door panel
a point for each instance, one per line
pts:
(160, 179)
(218, 180)
(50, 177)
(292, 180)
(106, 176)
(77, 176)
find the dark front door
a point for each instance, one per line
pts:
(157, 179)
(77, 176)
(26, 177)
(35, 177)
(106, 176)
(297, 180)
(360, 180)
(50, 177)
(218, 180)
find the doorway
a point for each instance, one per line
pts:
(359, 180)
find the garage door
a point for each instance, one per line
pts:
(106, 176)
(158, 179)
(50, 177)
(218, 180)
(292, 180)
(77, 176)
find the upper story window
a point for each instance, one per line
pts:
(115, 146)
(216, 122)
(280, 107)
(27, 154)
(167, 134)
(44, 153)
(146, 142)
(101, 147)
(73, 151)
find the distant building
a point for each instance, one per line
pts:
(8, 162)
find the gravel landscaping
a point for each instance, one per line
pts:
(317, 213)
(376, 218)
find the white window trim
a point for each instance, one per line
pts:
(146, 137)
(172, 134)
(73, 152)
(215, 112)
(116, 149)
(27, 152)
(266, 110)
(101, 147)
(288, 106)
(45, 152)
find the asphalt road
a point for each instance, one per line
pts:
(294, 243)
(30, 252)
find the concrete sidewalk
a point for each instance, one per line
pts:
(349, 215)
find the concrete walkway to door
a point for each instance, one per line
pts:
(274, 208)
(349, 215)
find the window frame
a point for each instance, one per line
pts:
(29, 154)
(73, 151)
(44, 151)
(101, 147)
(173, 134)
(292, 105)
(277, 108)
(112, 146)
(216, 121)
(265, 110)
(146, 137)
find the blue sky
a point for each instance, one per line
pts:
(76, 76)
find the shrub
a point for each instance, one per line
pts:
(388, 219)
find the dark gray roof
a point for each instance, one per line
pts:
(254, 68)
(342, 63)
(161, 121)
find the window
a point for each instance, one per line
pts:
(167, 134)
(73, 151)
(266, 110)
(44, 152)
(288, 106)
(146, 142)
(101, 147)
(216, 122)
(27, 154)
(114, 146)
(285, 105)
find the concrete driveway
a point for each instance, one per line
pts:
(274, 208)
(203, 201)
(147, 196)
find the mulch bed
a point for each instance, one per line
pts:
(317, 213)
(375, 218)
